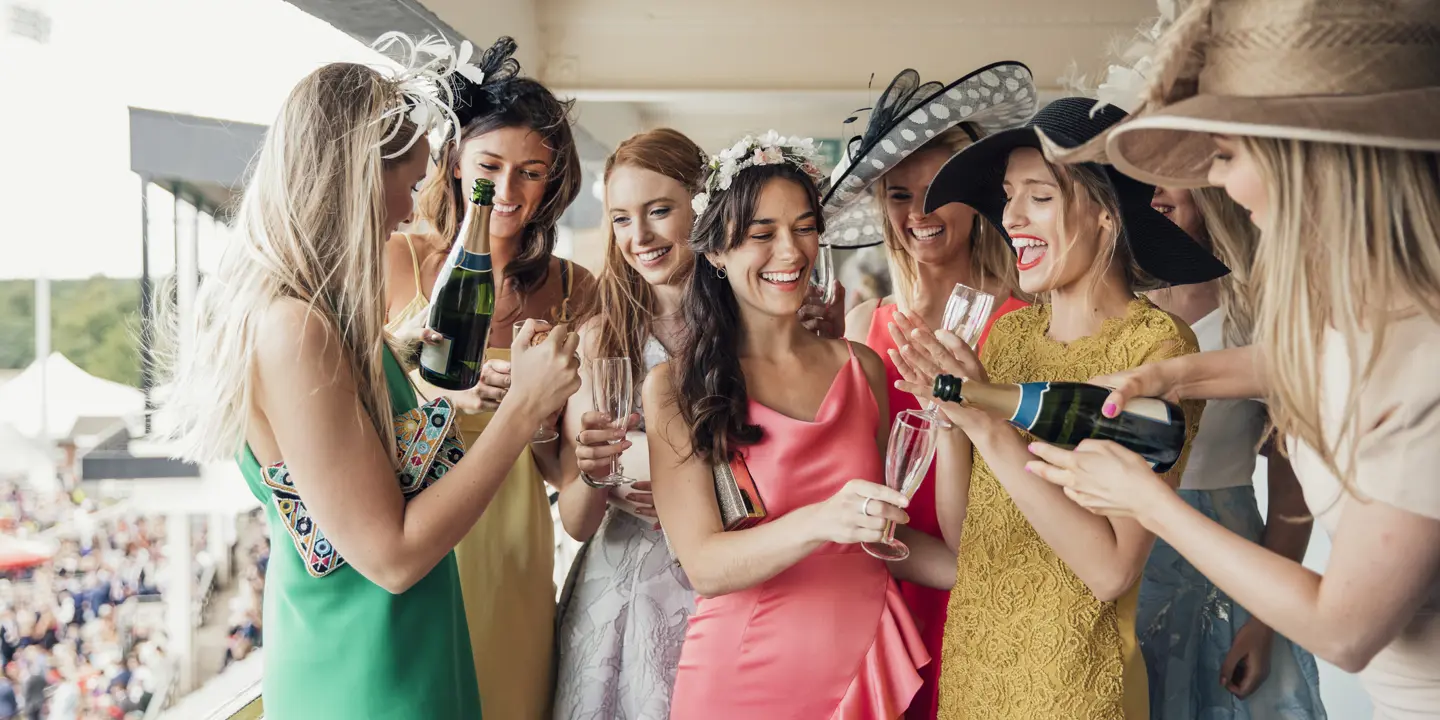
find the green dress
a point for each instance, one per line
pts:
(342, 647)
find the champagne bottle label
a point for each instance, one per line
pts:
(437, 355)
(1149, 408)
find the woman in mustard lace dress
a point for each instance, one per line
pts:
(1042, 615)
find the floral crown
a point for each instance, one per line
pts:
(750, 151)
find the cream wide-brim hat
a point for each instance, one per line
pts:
(1361, 72)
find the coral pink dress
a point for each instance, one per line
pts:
(829, 638)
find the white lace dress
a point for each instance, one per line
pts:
(623, 615)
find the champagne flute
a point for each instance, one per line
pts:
(543, 434)
(612, 387)
(912, 446)
(822, 276)
(966, 312)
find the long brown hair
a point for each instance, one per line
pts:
(626, 303)
(531, 106)
(711, 393)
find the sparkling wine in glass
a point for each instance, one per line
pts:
(912, 446)
(612, 387)
(822, 276)
(544, 433)
(966, 312)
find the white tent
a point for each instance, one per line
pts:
(69, 393)
(21, 459)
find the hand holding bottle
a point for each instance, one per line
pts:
(542, 377)
(1157, 380)
(1101, 476)
(857, 513)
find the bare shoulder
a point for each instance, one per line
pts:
(659, 387)
(870, 362)
(300, 345)
(589, 332)
(857, 321)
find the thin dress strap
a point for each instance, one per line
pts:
(415, 266)
(565, 282)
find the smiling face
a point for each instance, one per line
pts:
(651, 217)
(930, 238)
(1055, 242)
(769, 269)
(519, 163)
(1179, 205)
(1235, 169)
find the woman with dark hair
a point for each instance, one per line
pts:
(794, 618)
(517, 133)
(626, 602)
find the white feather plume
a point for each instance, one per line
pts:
(423, 84)
(1125, 82)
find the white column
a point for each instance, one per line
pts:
(42, 353)
(218, 539)
(187, 272)
(180, 600)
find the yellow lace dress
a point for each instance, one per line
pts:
(1025, 638)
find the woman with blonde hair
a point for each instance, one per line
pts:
(911, 132)
(514, 131)
(1341, 171)
(1190, 633)
(289, 368)
(626, 603)
(1041, 621)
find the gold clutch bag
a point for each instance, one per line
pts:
(739, 499)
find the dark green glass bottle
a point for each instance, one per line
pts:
(463, 301)
(1064, 413)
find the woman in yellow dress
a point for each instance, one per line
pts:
(515, 132)
(1041, 620)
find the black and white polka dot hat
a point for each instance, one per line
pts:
(908, 115)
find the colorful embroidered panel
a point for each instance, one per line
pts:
(428, 445)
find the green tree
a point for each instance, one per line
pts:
(94, 322)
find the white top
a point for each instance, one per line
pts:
(1397, 463)
(1222, 455)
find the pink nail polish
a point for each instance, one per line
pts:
(1109, 410)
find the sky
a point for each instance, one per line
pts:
(70, 203)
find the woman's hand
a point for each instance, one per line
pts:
(635, 497)
(934, 353)
(1149, 380)
(824, 319)
(1247, 665)
(542, 377)
(594, 453)
(857, 513)
(1100, 476)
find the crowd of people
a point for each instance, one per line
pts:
(65, 647)
(1289, 310)
(70, 646)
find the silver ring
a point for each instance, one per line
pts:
(865, 508)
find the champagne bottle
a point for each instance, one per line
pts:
(463, 301)
(1064, 413)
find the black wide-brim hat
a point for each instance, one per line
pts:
(974, 176)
